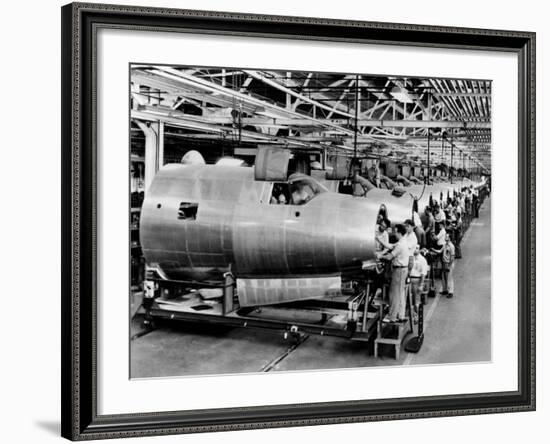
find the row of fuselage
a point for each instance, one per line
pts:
(232, 226)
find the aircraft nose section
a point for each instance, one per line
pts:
(355, 232)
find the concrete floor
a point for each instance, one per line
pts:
(456, 330)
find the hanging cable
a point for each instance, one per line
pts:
(356, 116)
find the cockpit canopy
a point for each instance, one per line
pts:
(299, 190)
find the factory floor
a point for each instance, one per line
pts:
(456, 330)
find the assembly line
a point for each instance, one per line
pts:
(284, 240)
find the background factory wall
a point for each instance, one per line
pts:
(30, 189)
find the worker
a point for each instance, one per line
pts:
(437, 242)
(457, 208)
(449, 211)
(379, 218)
(462, 202)
(410, 236)
(458, 226)
(419, 229)
(439, 214)
(447, 252)
(278, 196)
(274, 196)
(376, 175)
(399, 257)
(439, 234)
(418, 275)
(429, 225)
(475, 202)
(383, 267)
(383, 212)
(468, 203)
(381, 238)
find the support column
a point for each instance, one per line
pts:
(451, 172)
(160, 145)
(429, 173)
(151, 151)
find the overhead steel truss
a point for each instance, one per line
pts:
(392, 116)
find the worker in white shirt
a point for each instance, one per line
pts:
(452, 215)
(416, 219)
(418, 275)
(457, 208)
(399, 256)
(440, 234)
(462, 203)
(410, 236)
(381, 237)
(439, 214)
(376, 175)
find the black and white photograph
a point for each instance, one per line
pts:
(298, 221)
(275, 222)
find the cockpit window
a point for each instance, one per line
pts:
(304, 188)
(280, 194)
(188, 211)
(299, 190)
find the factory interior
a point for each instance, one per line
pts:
(259, 202)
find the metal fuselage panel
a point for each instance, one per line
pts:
(237, 229)
(333, 233)
(193, 248)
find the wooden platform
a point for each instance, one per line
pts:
(394, 333)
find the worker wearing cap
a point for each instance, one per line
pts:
(399, 257)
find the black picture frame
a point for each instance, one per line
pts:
(80, 22)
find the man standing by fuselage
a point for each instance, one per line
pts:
(410, 236)
(399, 257)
